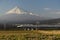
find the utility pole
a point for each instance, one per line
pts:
(37, 23)
(4, 26)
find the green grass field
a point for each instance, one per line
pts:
(30, 35)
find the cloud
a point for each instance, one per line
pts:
(33, 14)
(47, 8)
(52, 11)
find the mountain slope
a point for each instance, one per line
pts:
(18, 18)
(17, 15)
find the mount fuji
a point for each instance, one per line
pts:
(17, 15)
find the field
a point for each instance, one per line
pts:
(30, 35)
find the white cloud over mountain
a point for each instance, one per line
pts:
(47, 8)
(52, 11)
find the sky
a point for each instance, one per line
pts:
(46, 8)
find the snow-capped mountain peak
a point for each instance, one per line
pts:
(15, 10)
(21, 17)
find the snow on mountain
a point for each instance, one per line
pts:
(15, 10)
(18, 15)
